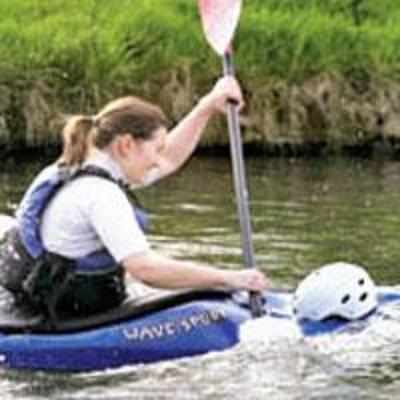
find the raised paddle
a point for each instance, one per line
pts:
(220, 19)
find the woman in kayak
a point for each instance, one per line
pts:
(77, 233)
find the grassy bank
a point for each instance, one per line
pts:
(316, 71)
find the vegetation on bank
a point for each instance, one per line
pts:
(315, 71)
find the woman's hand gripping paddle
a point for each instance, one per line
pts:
(220, 19)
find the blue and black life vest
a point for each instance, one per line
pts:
(46, 279)
(38, 197)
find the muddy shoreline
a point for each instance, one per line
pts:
(327, 113)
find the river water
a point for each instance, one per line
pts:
(305, 213)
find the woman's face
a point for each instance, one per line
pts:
(140, 157)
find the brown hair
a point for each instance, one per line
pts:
(125, 115)
(75, 136)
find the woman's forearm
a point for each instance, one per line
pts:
(166, 273)
(183, 139)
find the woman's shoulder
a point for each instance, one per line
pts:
(95, 189)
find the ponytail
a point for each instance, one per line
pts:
(76, 139)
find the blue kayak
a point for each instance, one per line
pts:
(153, 329)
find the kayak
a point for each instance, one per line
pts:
(152, 329)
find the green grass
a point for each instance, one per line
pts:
(100, 41)
(95, 41)
(294, 39)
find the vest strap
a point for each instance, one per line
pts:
(93, 170)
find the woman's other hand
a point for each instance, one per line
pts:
(225, 89)
(250, 279)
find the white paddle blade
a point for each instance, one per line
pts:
(220, 19)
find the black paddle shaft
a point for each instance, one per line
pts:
(242, 194)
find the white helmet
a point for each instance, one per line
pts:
(339, 289)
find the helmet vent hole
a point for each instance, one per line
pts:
(345, 299)
(361, 282)
(364, 296)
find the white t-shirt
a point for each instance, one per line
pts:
(90, 213)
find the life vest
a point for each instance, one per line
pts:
(38, 197)
(84, 285)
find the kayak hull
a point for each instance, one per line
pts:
(174, 326)
(186, 330)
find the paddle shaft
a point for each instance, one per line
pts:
(239, 178)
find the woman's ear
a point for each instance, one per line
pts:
(125, 145)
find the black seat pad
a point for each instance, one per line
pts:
(16, 319)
